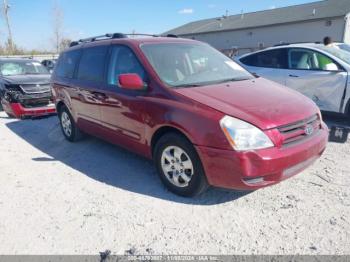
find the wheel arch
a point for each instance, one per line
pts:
(161, 131)
(59, 106)
(347, 108)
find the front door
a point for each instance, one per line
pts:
(122, 111)
(316, 76)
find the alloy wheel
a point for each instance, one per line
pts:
(66, 124)
(177, 166)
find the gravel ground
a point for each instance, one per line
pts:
(84, 198)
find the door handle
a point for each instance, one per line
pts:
(99, 95)
(295, 76)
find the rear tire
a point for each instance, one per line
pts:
(179, 166)
(69, 129)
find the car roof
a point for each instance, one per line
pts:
(315, 46)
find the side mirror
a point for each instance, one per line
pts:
(131, 82)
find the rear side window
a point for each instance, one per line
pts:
(67, 63)
(276, 58)
(92, 64)
(124, 61)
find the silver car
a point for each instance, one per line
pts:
(319, 72)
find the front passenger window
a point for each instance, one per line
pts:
(123, 61)
(301, 59)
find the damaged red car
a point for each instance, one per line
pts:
(201, 117)
(25, 89)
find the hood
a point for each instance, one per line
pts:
(27, 79)
(260, 102)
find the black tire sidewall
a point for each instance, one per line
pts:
(198, 183)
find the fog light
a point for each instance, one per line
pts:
(254, 181)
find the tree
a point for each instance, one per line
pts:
(64, 44)
(5, 10)
(57, 14)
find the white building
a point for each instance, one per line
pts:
(251, 31)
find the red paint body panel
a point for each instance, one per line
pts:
(131, 118)
(252, 101)
(18, 111)
(228, 169)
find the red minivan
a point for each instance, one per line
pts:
(201, 117)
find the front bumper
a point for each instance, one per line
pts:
(19, 111)
(260, 168)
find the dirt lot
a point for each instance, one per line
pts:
(63, 198)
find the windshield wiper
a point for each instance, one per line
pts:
(232, 80)
(187, 85)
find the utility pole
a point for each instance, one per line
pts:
(6, 9)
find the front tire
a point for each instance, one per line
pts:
(179, 166)
(70, 131)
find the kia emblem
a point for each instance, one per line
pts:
(309, 129)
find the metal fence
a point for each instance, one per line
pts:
(35, 57)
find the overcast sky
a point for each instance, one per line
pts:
(31, 20)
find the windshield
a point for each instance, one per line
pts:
(11, 68)
(337, 52)
(183, 64)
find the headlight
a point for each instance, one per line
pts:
(244, 136)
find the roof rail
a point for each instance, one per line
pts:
(135, 34)
(113, 36)
(172, 35)
(99, 37)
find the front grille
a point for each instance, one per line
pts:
(35, 88)
(300, 130)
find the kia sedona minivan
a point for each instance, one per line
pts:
(201, 117)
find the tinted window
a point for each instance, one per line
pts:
(92, 64)
(67, 63)
(271, 59)
(307, 59)
(123, 61)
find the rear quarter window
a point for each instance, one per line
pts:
(67, 63)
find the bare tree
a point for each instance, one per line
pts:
(6, 8)
(64, 44)
(57, 14)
